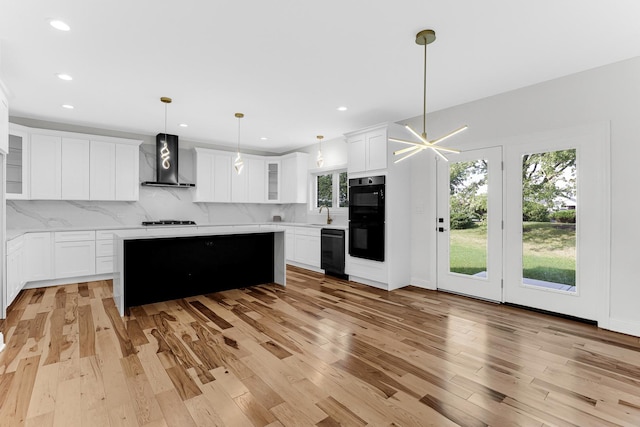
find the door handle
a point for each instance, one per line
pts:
(441, 229)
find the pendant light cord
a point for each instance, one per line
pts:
(424, 107)
(238, 135)
(165, 121)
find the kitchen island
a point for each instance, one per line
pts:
(184, 262)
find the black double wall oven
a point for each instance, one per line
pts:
(366, 217)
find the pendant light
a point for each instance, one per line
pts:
(238, 162)
(164, 151)
(319, 158)
(423, 38)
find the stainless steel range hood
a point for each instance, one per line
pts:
(167, 163)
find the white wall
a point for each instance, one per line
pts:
(610, 93)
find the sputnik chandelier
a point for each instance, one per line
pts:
(424, 38)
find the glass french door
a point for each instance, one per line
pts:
(557, 221)
(469, 223)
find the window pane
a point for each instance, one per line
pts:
(549, 219)
(468, 218)
(324, 187)
(344, 191)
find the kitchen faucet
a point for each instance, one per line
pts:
(329, 219)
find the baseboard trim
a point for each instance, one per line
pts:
(553, 313)
(67, 281)
(624, 327)
(422, 283)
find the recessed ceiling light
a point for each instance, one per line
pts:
(59, 25)
(264, 138)
(343, 108)
(68, 106)
(183, 125)
(66, 77)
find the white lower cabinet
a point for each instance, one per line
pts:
(289, 243)
(15, 268)
(38, 256)
(75, 254)
(104, 252)
(307, 246)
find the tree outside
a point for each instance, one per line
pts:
(548, 214)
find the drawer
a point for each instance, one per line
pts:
(74, 236)
(105, 234)
(308, 231)
(104, 265)
(104, 248)
(15, 244)
(367, 269)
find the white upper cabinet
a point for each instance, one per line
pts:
(256, 190)
(249, 186)
(367, 151)
(294, 178)
(74, 169)
(127, 172)
(56, 165)
(280, 179)
(272, 171)
(213, 175)
(103, 171)
(18, 163)
(4, 123)
(45, 164)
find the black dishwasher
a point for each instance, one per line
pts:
(332, 246)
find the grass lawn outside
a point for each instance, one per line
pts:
(549, 251)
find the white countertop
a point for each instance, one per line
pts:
(194, 231)
(13, 233)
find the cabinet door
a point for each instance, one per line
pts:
(127, 166)
(240, 183)
(256, 180)
(307, 250)
(18, 165)
(273, 180)
(75, 259)
(222, 178)
(289, 244)
(38, 253)
(4, 123)
(356, 153)
(376, 147)
(45, 176)
(74, 169)
(204, 176)
(15, 270)
(103, 170)
(289, 183)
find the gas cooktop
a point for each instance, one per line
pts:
(169, 222)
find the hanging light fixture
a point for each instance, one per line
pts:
(238, 163)
(424, 38)
(320, 158)
(164, 151)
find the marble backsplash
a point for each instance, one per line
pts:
(155, 203)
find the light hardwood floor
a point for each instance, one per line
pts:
(322, 352)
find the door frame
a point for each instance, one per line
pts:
(591, 299)
(462, 283)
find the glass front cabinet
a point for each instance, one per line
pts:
(18, 163)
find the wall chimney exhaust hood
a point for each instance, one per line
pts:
(166, 158)
(167, 163)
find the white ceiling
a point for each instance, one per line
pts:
(288, 64)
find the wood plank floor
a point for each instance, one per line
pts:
(322, 352)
